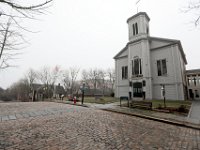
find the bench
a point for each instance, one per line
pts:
(123, 98)
(142, 104)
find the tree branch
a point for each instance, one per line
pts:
(17, 6)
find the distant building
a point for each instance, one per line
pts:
(37, 92)
(146, 64)
(193, 84)
(58, 91)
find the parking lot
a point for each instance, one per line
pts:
(49, 125)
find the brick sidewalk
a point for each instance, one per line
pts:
(73, 127)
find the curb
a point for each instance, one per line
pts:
(177, 123)
(190, 110)
(77, 105)
(72, 104)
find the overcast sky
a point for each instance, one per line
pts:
(88, 33)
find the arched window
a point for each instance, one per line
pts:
(136, 66)
(133, 29)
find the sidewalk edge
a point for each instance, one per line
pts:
(178, 123)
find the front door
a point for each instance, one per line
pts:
(137, 89)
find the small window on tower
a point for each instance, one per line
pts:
(136, 28)
(147, 30)
(133, 29)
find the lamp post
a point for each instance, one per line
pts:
(163, 94)
(83, 90)
(130, 92)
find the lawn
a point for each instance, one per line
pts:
(101, 100)
(172, 106)
(171, 103)
(155, 103)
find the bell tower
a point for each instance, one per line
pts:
(139, 60)
(138, 26)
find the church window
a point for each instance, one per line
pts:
(162, 67)
(136, 66)
(124, 72)
(133, 29)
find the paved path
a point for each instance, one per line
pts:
(46, 125)
(102, 106)
(195, 110)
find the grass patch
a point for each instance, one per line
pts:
(172, 106)
(171, 103)
(101, 100)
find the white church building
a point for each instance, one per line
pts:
(148, 64)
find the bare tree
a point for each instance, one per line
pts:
(66, 80)
(56, 74)
(49, 77)
(111, 78)
(194, 8)
(102, 81)
(99, 79)
(19, 90)
(73, 76)
(85, 77)
(22, 9)
(11, 15)
(31, 77)
(93, 78)
(10, 42)
(44, 75)
(70, 80)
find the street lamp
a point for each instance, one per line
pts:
(130, 92)
(163, 94)
(83, 90)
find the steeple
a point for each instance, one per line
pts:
(138, 26)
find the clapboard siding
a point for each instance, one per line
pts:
(169, 91)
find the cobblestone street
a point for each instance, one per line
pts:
(48, 125)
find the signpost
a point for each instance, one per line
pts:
(83, 92)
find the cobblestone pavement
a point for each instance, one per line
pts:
(46, 125)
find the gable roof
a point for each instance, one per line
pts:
(168, 42)
(163, 39)
(123, 50)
